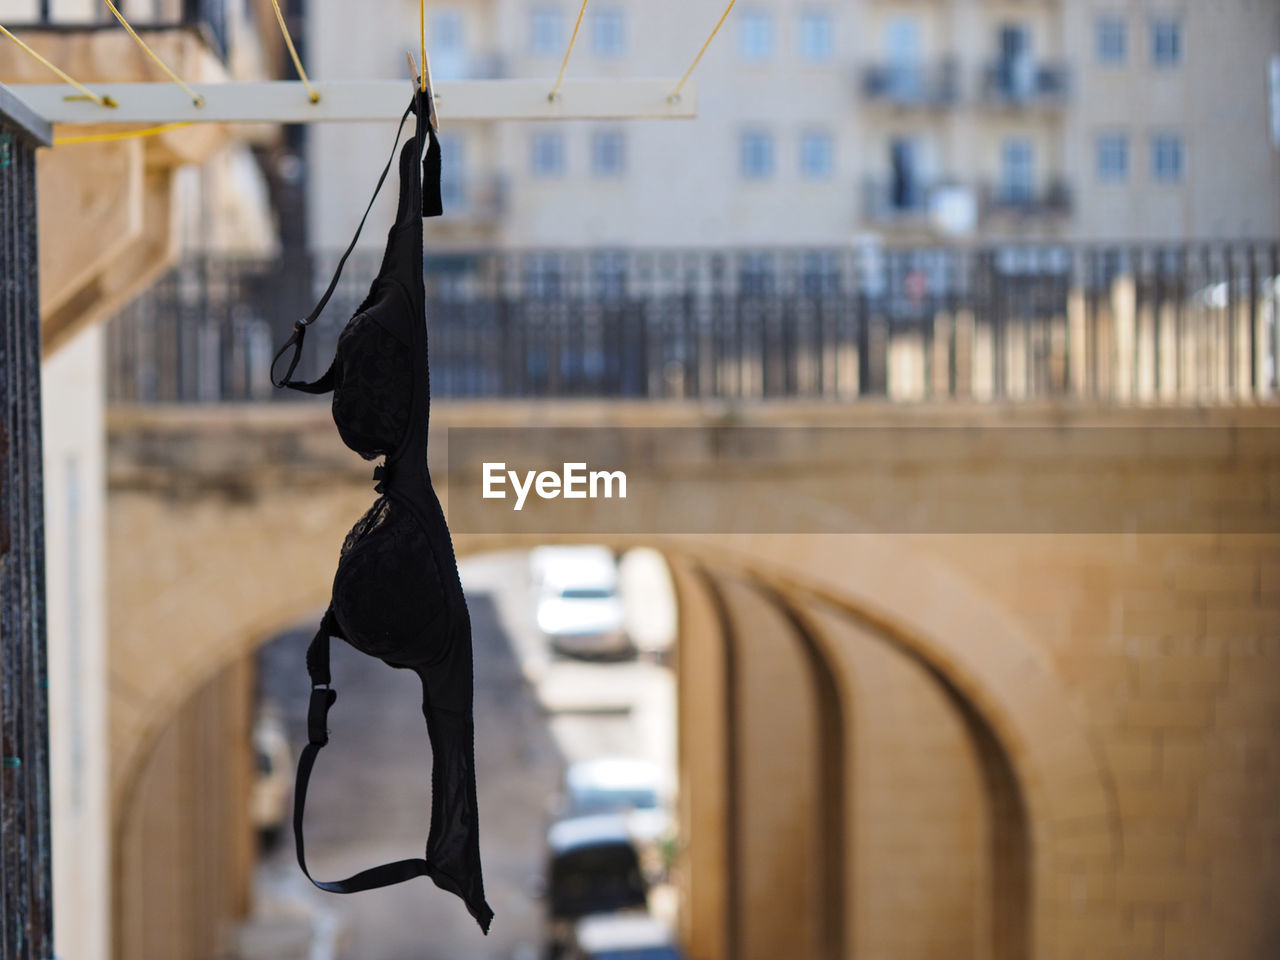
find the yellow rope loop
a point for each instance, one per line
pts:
(195, 97)
(675, 94)
(564, 64)
(86, 93)
(120, 134)
(422, 37)
(312, 92)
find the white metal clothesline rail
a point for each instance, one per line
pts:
(288, 101)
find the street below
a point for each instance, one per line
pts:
(369, 798)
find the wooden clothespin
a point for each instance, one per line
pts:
(432, 117)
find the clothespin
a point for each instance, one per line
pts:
(432, 117)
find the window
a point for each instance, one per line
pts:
(446, 30)
(757, 35)
(1017, 174)
(448, 53)
(547, 154)
(1113, 157)
(545, 32)
(817, 155)
(815, 35)
(608, 153)
(1112, 40)
(607, 35)
(1166, 158)
(1166, 42)
(756, 155)
(452, 187)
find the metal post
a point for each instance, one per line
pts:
(26, 918)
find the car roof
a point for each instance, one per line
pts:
(620, 931)
(626, 773)
(575, 566)
(596, 829)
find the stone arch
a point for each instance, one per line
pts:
(923, 605)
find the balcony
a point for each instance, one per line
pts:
(207, 18)
(1021, 82)
(477, 200)
(927, 85)
(890, 202)
(1007, 200)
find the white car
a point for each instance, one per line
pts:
(576, 604)
(634, 789)
(626, 936)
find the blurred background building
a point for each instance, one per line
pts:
(823, 124)
(1055, 214)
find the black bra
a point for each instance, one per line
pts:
(396, 593)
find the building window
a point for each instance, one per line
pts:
(1113, 157)
(817, 155)
(1017, 173)
(546, 30)
(453, 195)
(607, 37)
(547, 154)
(1167, 161)
(446, 30)
(756, 155)
(815, 35)
(1113, 41)
(1166, 42)
(757, 35)
(608, 153)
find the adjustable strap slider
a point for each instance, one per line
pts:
(322, 699)
(295, 340)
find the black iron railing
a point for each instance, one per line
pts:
(922, 84)
(208, 17)
(26, 926)
(1168, 324)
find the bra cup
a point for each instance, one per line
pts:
(373, 377)
(387, 593)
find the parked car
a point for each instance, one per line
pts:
(272, 777)
(577, 606)
(621, 937)
(634, 789)
(593, 867)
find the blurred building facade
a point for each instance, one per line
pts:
(908, 121)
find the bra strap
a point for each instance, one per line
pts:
(322, 698)
(432, 206)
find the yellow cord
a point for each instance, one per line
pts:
(422, 36)
(120, 135)
(675, 94)
(195, 97)
(564, 64)
(293, 52)
(101, 101)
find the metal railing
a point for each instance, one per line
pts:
(208, 17)
(924, 84)
(1022, 81)
(1125, 325)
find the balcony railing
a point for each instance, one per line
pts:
(208, 17)
(474, 199)
(1053, 199)
(900, 201)
(1024, 82)
(912, 84)
(1170, 324)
